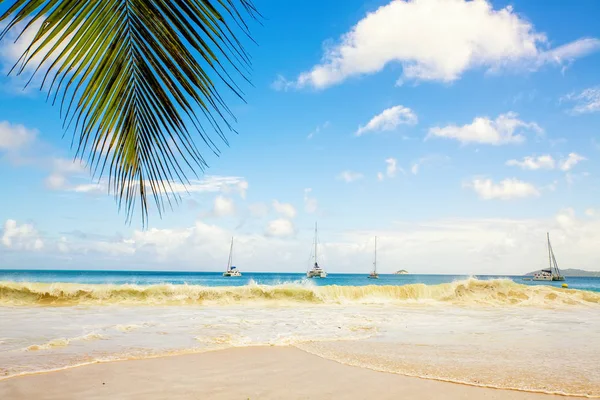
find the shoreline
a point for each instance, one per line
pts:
(243, 372)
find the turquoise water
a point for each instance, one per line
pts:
(215, 279)
(483, 331)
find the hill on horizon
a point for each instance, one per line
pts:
(574, 272)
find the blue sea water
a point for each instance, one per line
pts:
(215, 279)
(58, 319)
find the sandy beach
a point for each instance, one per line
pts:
(243, 373)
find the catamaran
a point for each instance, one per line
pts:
(374, 274)
(552, 273)
(231, 270)
(316, 271)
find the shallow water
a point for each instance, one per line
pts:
(485, 332)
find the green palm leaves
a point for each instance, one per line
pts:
(134, 81)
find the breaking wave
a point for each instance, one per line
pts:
(62, 342)
(495, 292)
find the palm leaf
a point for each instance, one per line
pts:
(135, 81)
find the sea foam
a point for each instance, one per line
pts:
(469, 292)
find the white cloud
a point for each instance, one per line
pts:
(310, 203)
(223, 207)
(389, 119)
(588, 101)
(258, 210)
(349, 176)
(505, 129)
(533, 162)
(590, 212)
(15, 44)
(63, 170)
(15, 136)
(56, 181)
(507, 189)
(451, 246)
(547, 162)
(66, 172)
(318, 129)
(21, 237)
(11, 48)
(571, 178)
(280, 228)
(427, 160)
(285, 209)
(391, 167)
(437, 40)
(282, 84)
(572, 160)
(569, 52)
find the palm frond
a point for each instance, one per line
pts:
(136, 83)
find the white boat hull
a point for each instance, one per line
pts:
(316, 274)
(232, 274)
(542, 278)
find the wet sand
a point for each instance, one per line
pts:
(242, 373)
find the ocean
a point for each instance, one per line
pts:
(487, 331)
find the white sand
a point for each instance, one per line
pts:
(243, 373)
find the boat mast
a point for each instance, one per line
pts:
(229, 262)
(549, 252)
(316, 262)
(375, 262)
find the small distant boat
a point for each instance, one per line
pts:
(374, 274)
(553, 272)
(316, 271)
(231, 271)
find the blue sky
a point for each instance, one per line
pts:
(458, 132)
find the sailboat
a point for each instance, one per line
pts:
(316, 271)
(374, 274)
(231, 270)
(552, 273)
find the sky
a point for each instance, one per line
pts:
(457, 132)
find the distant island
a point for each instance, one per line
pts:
(574, 272)
(401, 272)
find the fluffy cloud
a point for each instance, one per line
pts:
(223, 206)
(588, 101)
(21, 237)
(349, 176)
(392, 167)
(15, 136)
(547, 162)
(63, 170)
(12, 47)
(310, 203)
(466, 246)
(73, 176)
(388, 120)
(437, 40)
(572, 160)
(505, 129)
(505, 190)
(280, 228)
(533, 163)
(285, 209)
(390, 170)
